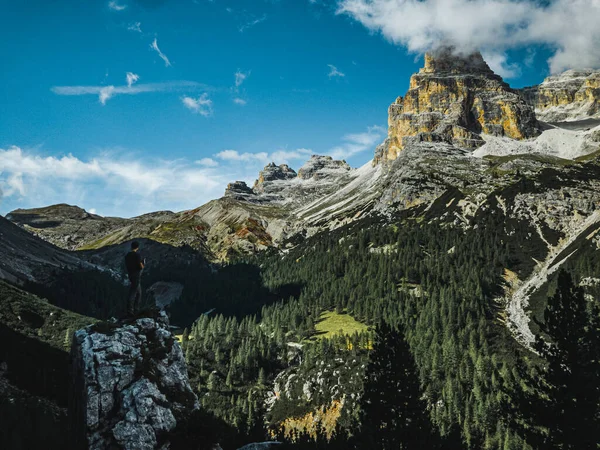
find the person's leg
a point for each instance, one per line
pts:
(138, 297)
(133, 292)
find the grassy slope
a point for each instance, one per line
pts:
(332, 323)
(34, 317)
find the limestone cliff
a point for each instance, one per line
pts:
(572, 95)
(454, 99)
(130, 386)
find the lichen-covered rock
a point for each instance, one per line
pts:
(454, 99)
(273, 172)
(130, 387)
(571, 95)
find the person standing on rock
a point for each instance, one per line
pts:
(135, 266)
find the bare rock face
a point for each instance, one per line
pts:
(130, 386)
(322, 167)
(273, 172)
(454, 99)
(572, 95)
(238, 190)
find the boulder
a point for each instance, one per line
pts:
(130, 386)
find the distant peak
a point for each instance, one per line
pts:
(273, 172)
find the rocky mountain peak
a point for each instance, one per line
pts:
(446, 60)
(238, 190)
(273, 172)
(320, 167)
(454, 99)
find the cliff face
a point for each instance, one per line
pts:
(454, 99)
(572, 95)
(130, 386)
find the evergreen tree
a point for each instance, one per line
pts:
(393, 415)
(562, 402)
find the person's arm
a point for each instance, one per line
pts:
(141, 262)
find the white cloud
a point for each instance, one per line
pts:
(154, 46)
(104, 93)
(131, 78)
(252, 22)
(115, 6)
(239, 101)
(240, 77)
(201, 105)
(135, 26)
(92, 211)
(207, 162)
(358, 142)
(111, 182)
(498, 62)
(278, 156)
(334, 72)
(569, 27)
(234, 155)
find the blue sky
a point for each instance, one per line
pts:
(125, 106)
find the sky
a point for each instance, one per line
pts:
(124, 107)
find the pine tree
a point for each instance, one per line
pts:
(562, 403)
(393, 415)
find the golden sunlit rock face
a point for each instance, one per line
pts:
(571, 95)
(454, 99)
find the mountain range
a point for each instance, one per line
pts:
(464, 151)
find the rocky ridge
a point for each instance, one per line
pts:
(130, 387)
(459, 128)
(571, 95)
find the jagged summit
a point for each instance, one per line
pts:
(238, 190)
(455, 99)
(273, 172)
(319, 167)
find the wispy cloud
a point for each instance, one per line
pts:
(492, 26)
(129, 186)
(135, 26)
(104, 93)
(240, 77)
(239, 101)
(115, 6)
(358, 142)
(334, 72)
(207, 162)
(252, 23)
(131, 78)
(201, 105)
(154, 46)
(278, 156)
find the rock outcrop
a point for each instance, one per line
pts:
(323, 167)
(130, 386)
(572, 95)
(454, 99)
(273, 172)
(238, 190)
